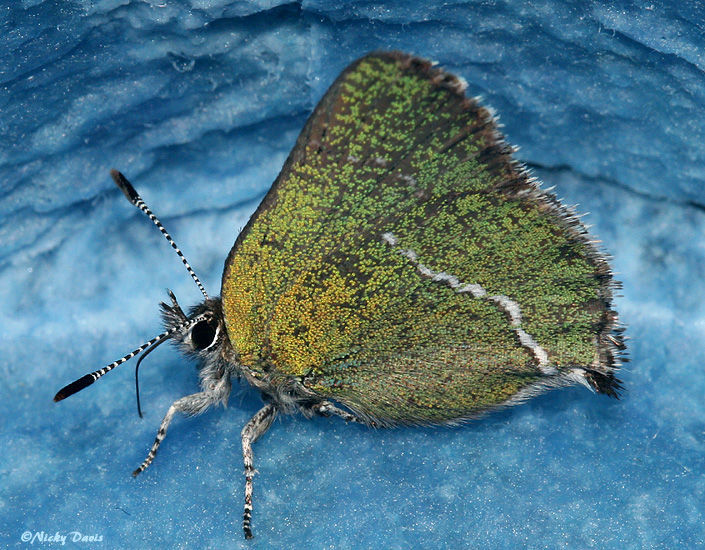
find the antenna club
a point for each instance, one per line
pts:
(125, 186)
(74, 387)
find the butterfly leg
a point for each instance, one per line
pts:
(257, 425)
(326, 408)
(189, 405)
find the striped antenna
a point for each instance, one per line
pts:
(89, 378)
(132, 196)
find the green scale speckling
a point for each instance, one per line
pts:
(314, 294)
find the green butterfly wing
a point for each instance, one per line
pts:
(403, 265)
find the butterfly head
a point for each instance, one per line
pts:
(201, 333)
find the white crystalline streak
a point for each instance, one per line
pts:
(509, 306)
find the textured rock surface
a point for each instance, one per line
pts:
(199, 102)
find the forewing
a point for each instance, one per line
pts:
(405, 266)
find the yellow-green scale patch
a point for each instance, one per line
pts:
(327, 194)
(400, 349)
(312, 291)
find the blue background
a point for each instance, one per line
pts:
(199, 102)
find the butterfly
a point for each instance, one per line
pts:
(402, 269)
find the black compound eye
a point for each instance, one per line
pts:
(202, 335)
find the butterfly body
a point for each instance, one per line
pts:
(402, 269)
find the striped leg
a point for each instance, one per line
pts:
(257, 425)
(326, 408)
(191, 404)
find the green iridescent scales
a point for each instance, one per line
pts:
(403, 265)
